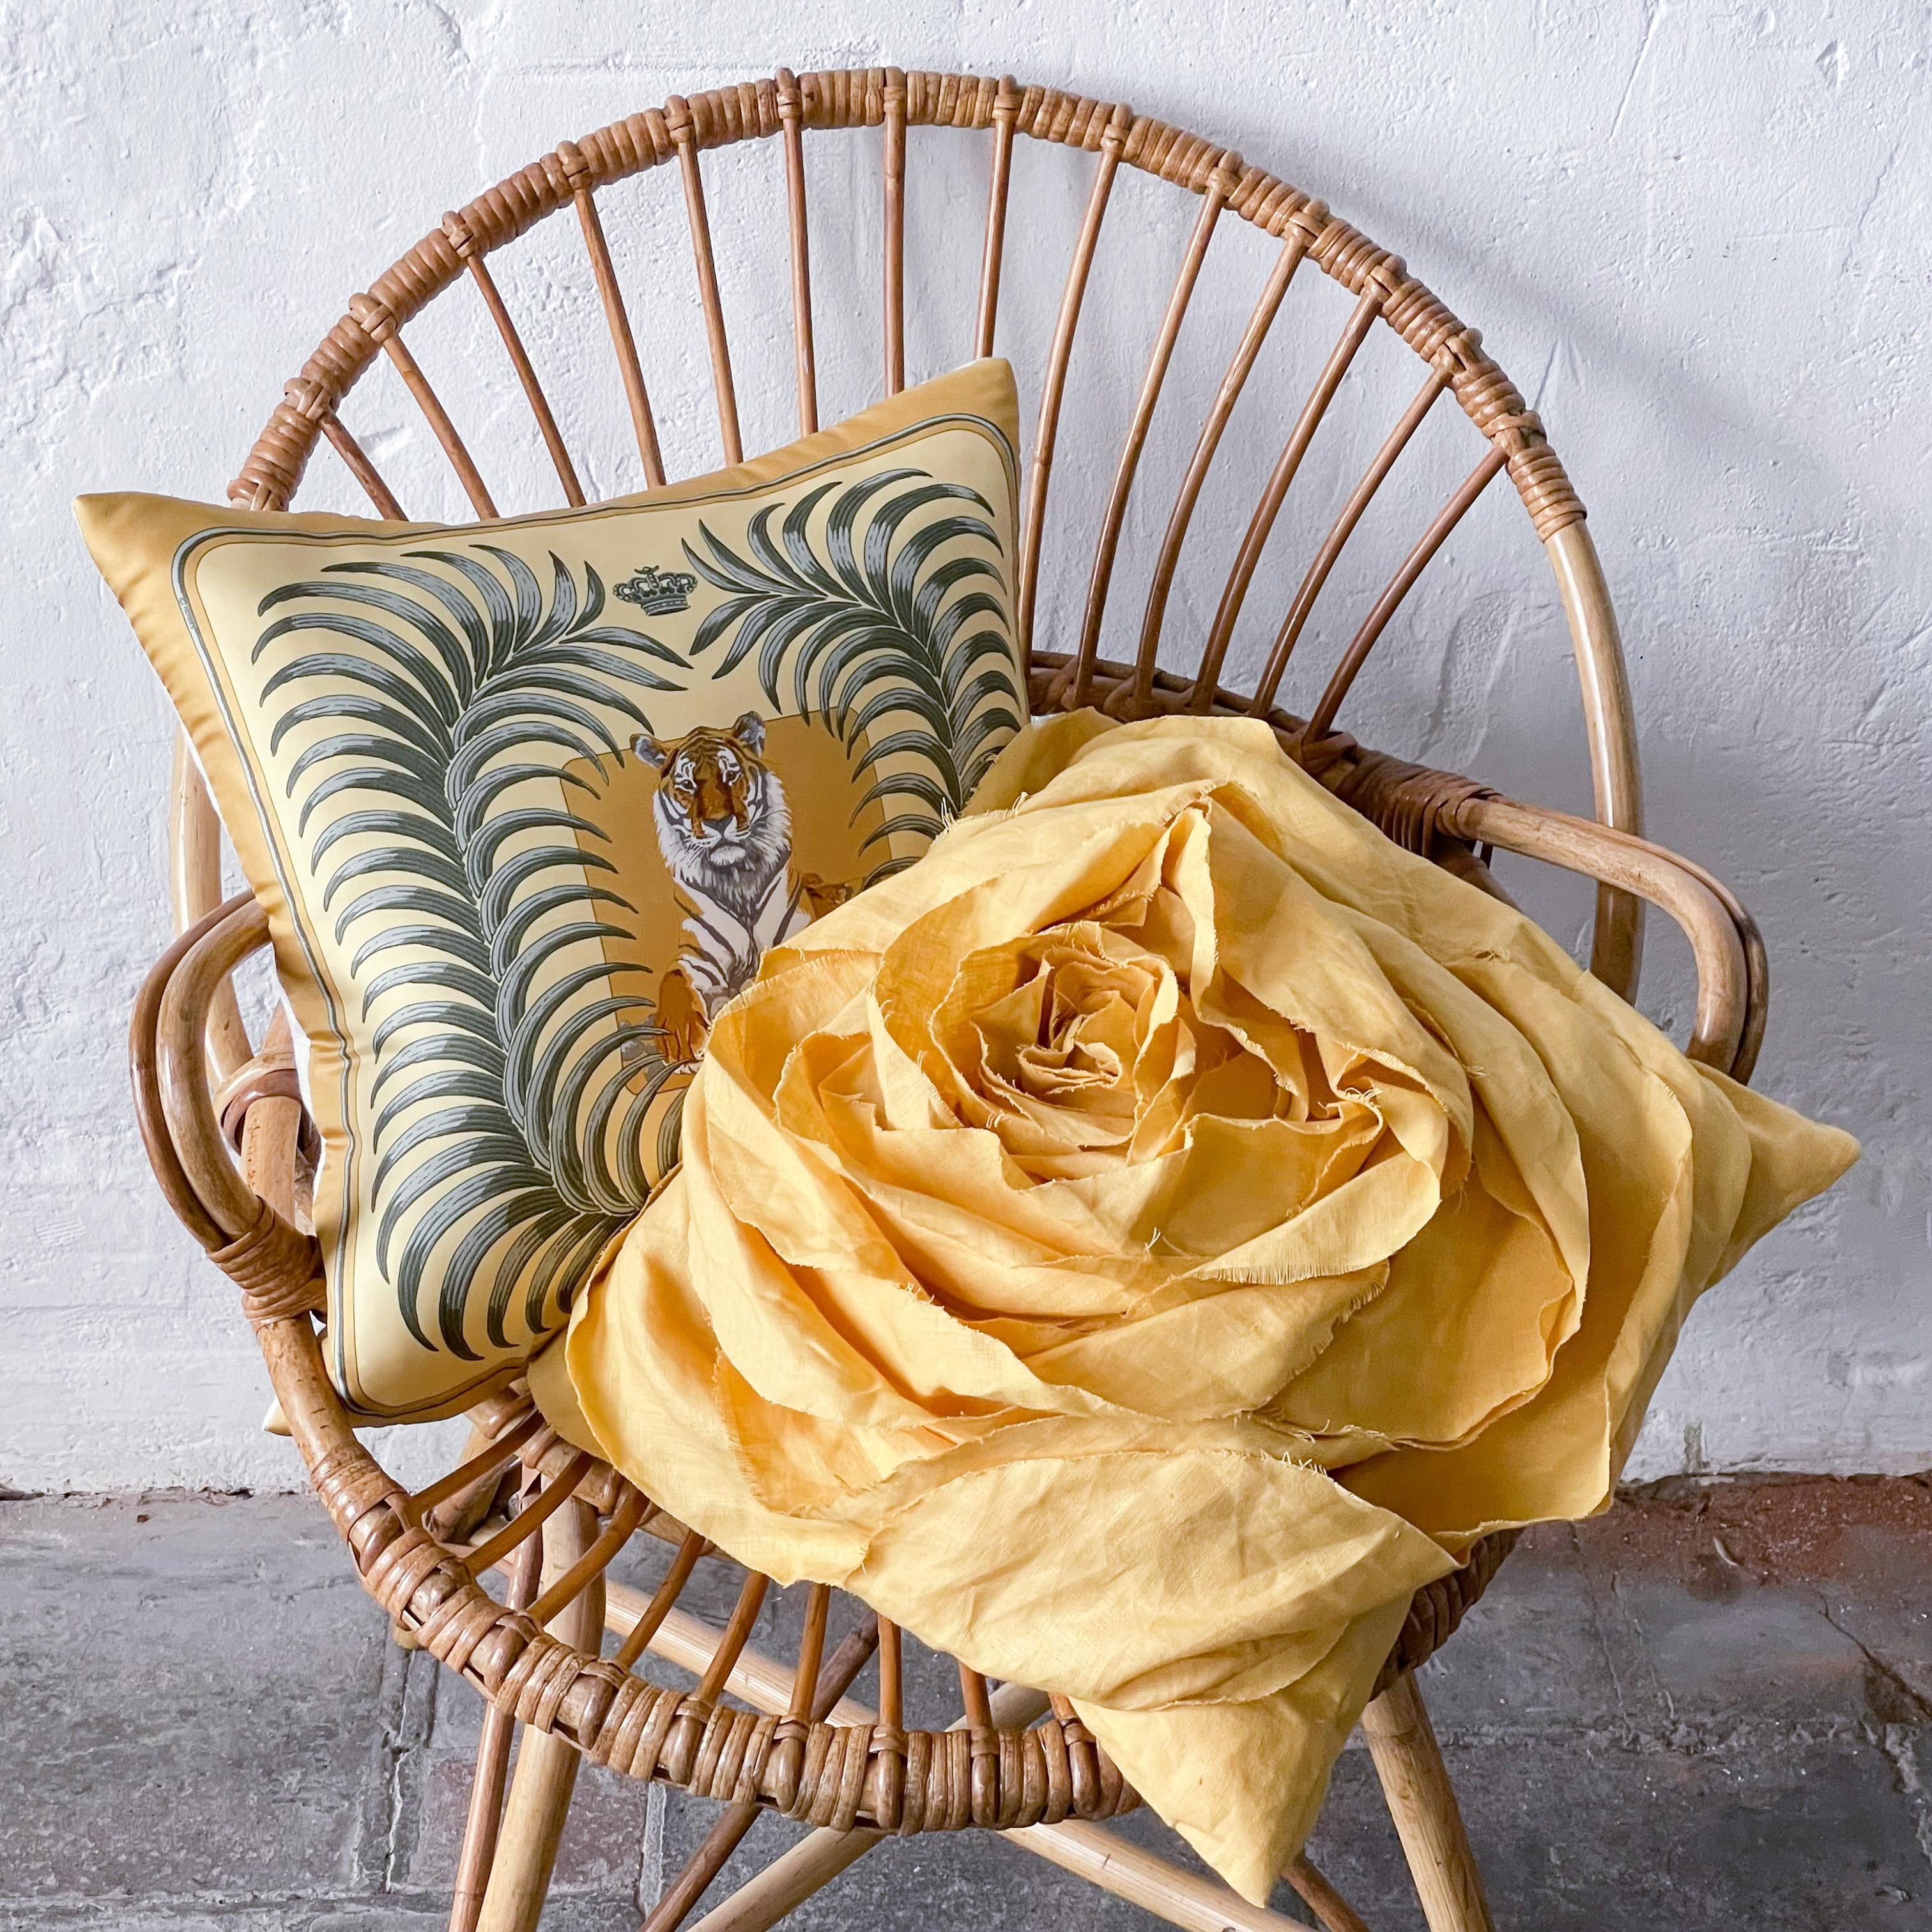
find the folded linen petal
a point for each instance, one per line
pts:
(1137, 1246)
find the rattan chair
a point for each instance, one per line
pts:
(224, 1122)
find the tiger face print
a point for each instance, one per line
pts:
(712, 776)
(716, 803)
(723, 824)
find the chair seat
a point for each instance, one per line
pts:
(424, 1557)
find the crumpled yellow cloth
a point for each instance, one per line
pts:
(1137, 1246)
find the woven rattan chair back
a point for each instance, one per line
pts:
(755, 1733)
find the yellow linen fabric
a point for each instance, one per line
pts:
(1137, 1246)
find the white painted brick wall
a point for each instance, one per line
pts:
(1695, 233)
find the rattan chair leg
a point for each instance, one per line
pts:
(1332, 1912)
(1183, 1898)
(817, 1859)
(814, 1695)
(540, 1794)
(485, 1821)
(546, 1770)
(788, 1881)
(1422, 1801)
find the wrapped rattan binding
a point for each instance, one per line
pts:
(277, 1268)
(1407, 803)
(270, 1076)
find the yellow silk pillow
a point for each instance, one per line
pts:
(526, 802)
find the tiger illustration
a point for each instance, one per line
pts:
(725, 829)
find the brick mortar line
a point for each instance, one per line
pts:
(78, 1906)
(1686, 1740)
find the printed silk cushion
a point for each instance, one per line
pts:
(525, 801)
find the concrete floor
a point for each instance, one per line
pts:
(1711, 1709)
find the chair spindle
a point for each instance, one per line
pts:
(577, 171)
(359, 466)
(894, 169)
(891, 1687)
(1268, 305)
(485, 1819)
(678, 122)
(1006, 112)
(1053, 389)
(737, 1634)
(638, 1638)
(380, 327)
(811, 1650)
(975, 1700)
(1390, 602)
(630, 1511)
(1262, 523)
(1343, 528)
(418, 1507)
(791, 116)
(463, 238)
(1227, 172)
(527, 1522)
(688, 1727)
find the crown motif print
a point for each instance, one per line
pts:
(656, 591)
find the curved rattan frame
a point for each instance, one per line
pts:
(889, 98)
(797, 1743)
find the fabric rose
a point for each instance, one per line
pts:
(1138, 1245)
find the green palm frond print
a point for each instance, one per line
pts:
(900, 623)
(467, 708)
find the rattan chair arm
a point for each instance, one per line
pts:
(188, 1001)
(277, 1267)
(1757, 965)
(1417, 807)
(1731, 997)
(144, 1069)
